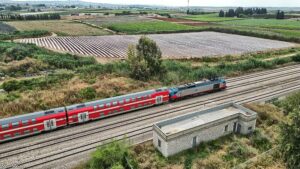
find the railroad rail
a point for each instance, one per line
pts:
(290, 84)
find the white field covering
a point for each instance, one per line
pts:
(177, 45)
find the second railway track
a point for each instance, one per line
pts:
(290, 84)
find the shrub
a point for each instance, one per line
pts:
(296, 58)
(259, 141)
(17, 52)
(88, 93)
(65, 61)
(112, 155)
(290, 141)
(11, 85)
(238, 151)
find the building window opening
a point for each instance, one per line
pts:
(159, 143)
(226, 128)
(249, 128)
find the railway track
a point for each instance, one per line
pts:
(290, 85)
(48, 142)
(45, 159)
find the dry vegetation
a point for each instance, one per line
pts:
(68, 92)
(61, 27)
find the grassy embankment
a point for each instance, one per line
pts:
(38, 79)
(258, 150)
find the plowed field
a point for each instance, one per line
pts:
(179, 45)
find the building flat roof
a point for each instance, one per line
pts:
(199, 120)
(189, 122)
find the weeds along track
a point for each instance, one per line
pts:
(143, 129)
(18, 156)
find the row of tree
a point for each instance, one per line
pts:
(53, 16)
(238, 12)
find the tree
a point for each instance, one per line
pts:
(290, 140)
(239, 11)
(231, 13)
(149, 50)
(145, 59)
(221, 13)
(280, 15)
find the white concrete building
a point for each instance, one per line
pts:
(184, 132)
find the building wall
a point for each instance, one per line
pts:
(184, 142)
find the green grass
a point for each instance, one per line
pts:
(266, 23)
(210, 18)
(151, 27)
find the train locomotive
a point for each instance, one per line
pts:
(34, 123)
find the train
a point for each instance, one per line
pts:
(44, 121)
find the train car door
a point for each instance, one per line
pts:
(50, 124)
(83, 117)
(159, 99)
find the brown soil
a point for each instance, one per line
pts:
(182, 21)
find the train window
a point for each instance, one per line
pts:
(133, 99)
(127, 100)
(4, 126)
(17, 134)
(139, 98)
(35, 130)
(80, 106)
(33, 120)
(115, 103)
(49, 112)
(25, 122)
(101, 106)
(95, 107)
(15, 124)
(26, 131)
(121, 102)
(108, 105)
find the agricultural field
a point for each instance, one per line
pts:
(5, 28)
(106, 21)
(183, 45)
(61, 27)
(266, 23)
(209, 18)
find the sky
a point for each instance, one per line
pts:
(217, 3)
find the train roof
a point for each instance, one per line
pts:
(31, 116)
(199, 83)
(114, 99)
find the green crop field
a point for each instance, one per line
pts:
(151, 27)
(209, 18)
(266, 23)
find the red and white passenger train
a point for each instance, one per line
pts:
(33, 123)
